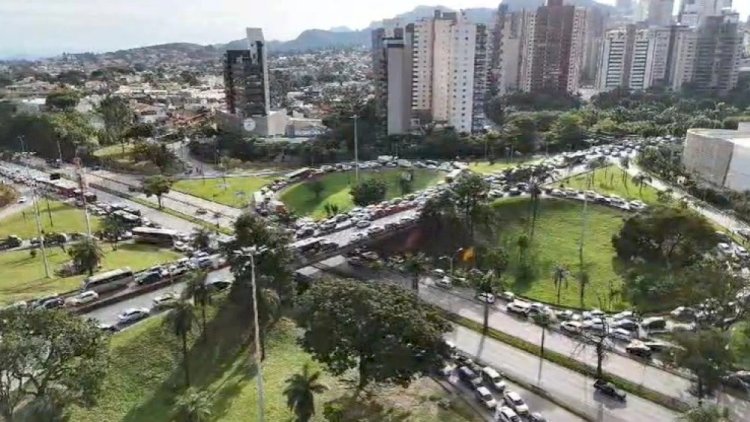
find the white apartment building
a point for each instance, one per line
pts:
(634, 58)
(658, 12)
(692, 12)
(441, 64)
(683, 53)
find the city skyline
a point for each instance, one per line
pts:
(52, 27)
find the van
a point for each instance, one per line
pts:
(493, 378)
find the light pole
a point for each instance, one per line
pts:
(36, 211)
(452, 258)
(251, 252)
(356, 150)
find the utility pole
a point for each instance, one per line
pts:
(82, 187)
(59, 152)
(356, 152)
(258, 361)
(36, 211)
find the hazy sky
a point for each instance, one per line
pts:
(49, 27)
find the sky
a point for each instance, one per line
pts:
(51, 27)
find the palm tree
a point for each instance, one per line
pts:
(583, 281)
(543, 320)
(300, 392)
(193, 406)
(331, 209)
(197, 290)
(269, 311)
(559, 275)
(594, 165)
(113, 228)
(86, 255)
(641, 179)
(416, 265)
(181, 319)
(535, 191)
(484, 282)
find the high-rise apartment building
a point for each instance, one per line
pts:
(658, 12)
(508, 54)
(634, 57)
(717, 54)
(246, 78)
(692, 12)
(681, 60)
(433, 70)
(553, 49)
(593, 40)
(624, 7)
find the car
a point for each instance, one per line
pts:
(22, 199)
(564, 315)
(447, 369)
(485, 397)
(683, 313)
(52, 303)
(607, 389)
(131, 315)
(165, 300)
(444, 282)
(201, 211)
(355, 261)
(537, 417)
(621, 334)
(515, 402)
(506, 414)
(467, 375)
(370, 256)
(148, 277)
(181, 246)
(493, 378)
(485, 297)
(594, 324)
(508, 296)
(519, 307)
(626, 324)
(84, 298)
(109, 328)
(571, 327)
(638, 348)
(654, 323)
(218, 285)
(362, 224)
(375, 230)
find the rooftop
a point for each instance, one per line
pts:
(741, 137)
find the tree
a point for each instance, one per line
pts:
(535, 191)
(559, 275)
(470, 193)
(521, 133)
(197, 290)
(706, 413)
(543, 320)
(660, 235)
(583, 281)
(406, 185)
(707, 354)
(487, 283)
(316, 187)
(331, 209)
(157, 185)
(416, 265)
(50, 355)
(193, 406)
(113, 229)
(201, 239)
(383, 331)
(594, 165)
(300, 392)
(640, 180)
(86, 255)
(369, 191)
(117, 118)
(180, 320)
(568, 130)
(62, 100)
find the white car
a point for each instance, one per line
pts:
(506, 414)
(133, 315)
(181, 246)
(84, 298)
(515, 402)
(572, 327)
(165, 300)
(621, 334)
(485, 397)
(22, 199)
(485, 297)
(444, 282)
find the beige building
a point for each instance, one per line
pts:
(634, 57)
(719, 157)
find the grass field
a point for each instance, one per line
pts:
(65, 219)
(610, 180)
(114, 152)
(301, 200)
(22, 277)
(556, 241)
(485, 167)
(741, 345)
(214, 189)
(146, 375)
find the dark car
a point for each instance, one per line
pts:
(608, 389)
(149, 278)
(54, 303)
(10, 242)
(470, 377)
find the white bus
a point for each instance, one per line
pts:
(156, 236)
(109, 280)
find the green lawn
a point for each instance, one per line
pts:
(302, 201)
(741, 345)
(22, 277)
(485, 167)
(556, 241)
(215, 190)
(610, 180)
(64, 218)
(146, 375)
(114, 152)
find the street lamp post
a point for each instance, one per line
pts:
(356, 150)
(452, 258)
(36, 211)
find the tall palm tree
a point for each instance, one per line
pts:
(416, 265)
(197, 290)
(583, 281)
(484, 282)
(535, 191)
(559, 274)
(193, 406)
(300, 392)
(269, 311)
(640, 180)
(543, 320)
(594, 165)
(181, 319)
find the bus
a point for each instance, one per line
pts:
(128, 219)
(156, 236)
(299, 174)
(109, 280)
